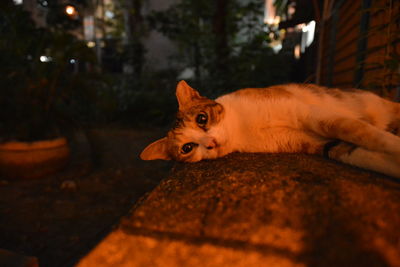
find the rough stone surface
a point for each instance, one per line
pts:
(260, 210)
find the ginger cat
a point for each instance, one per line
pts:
(354, 127)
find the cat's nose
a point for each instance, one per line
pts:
(211, 144)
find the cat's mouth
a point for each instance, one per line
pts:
(218, 150)
(212, 144)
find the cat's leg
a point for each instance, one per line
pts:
(394, 126)
(363, 158)
(363, 145)
(358, 132)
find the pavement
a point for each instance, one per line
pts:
(260, 210)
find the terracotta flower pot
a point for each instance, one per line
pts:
(33, 159)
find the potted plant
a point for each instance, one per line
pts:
(37, 83)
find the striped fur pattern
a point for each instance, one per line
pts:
(292, 118)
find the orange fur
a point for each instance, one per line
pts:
(292, 118)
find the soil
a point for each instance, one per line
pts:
(61, 217)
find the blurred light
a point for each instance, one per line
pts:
(109, 14)
(297, 52)
(45, 59)
(273, 20)
(72, 61)
(18, 2)
(70, 10)
(44, 3)
(89, 29)
(186, 74)
(311, 32)
(91, 44)
(271, 35)
(309, 27)
(270, 16)
(277, 19)
(277, 48)
(307, 37)
(300, 26)
(291, 10)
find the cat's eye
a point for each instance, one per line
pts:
(202, 119)
(188, 147)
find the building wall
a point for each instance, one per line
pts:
(383, 46)
(359, 41)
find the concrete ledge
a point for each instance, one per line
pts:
(260, 210)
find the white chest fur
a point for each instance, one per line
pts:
(262, 125)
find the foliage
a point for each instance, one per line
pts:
(126, 28)
(226, 50)
(282, 7)
(35, 95)
(113, 26)
(146, 102)
(56, 15)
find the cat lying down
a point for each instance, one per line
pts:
(354, 127)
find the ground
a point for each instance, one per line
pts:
(61, 217)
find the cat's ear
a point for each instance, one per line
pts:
(156, 150)
(185, 95)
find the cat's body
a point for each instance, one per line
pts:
(293, 118)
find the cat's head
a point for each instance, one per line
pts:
(195, 135)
